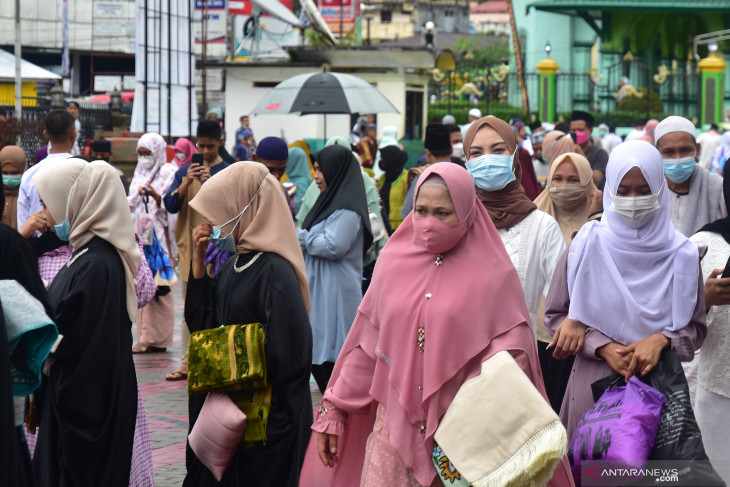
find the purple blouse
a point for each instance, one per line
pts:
(588, 366)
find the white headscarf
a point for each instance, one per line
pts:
(630, 283)
(390, 136)
(160, 176)
(97, 206)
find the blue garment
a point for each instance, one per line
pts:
(30, 336)
(297, 169)
(172, 203)
(157, 260)
(241, 152)
(333, 255)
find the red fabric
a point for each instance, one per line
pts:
(529, 179)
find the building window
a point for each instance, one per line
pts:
(386, 16)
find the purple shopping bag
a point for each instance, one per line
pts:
(620, 427)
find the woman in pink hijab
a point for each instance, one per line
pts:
(184, 150)
(398, 371)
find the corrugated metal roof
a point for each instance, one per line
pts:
(489, 7)
(575, 6)
(28, 70)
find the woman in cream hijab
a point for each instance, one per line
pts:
(570, 195)
(90, 406)
(572, 199)
(264, 281)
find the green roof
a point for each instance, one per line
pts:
(644, 23)
(575, 7)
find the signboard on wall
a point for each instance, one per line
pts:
(340, 15)
(243, 7)
(216, 25)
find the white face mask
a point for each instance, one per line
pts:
(146, 161)
(180, 156)
(458, 150)
(635, 211)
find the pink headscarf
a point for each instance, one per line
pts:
(186, 147)
(471, 306)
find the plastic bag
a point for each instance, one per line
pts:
(678, 436)
(144, 227)
(620, 427)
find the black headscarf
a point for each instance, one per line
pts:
(392, 162)
(345, 190)
(721, 226)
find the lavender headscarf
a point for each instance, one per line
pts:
(648, 276)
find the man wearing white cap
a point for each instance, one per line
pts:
(696, 196)
(474, 115)
(448, 119)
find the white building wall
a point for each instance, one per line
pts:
(42, 24)
(242, 96)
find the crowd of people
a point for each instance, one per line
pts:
(392, 282)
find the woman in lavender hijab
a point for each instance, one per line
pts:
(648, 275)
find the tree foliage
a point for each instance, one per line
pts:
(477, 56)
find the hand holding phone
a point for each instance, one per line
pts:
(196, 167)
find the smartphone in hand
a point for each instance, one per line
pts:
(195, 166)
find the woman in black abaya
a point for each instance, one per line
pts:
(90, 402)
(263, 282)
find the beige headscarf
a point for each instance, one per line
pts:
(266, 226)
(97, 206)
(571, 215)
(14, 158)
(557, 143)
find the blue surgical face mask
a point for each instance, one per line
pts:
(492, 172)
(679, 170)
(12, 181)
(63, 230)
(227, 243)
(601, 133)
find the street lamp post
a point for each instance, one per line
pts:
(57, 98)
(116, 100)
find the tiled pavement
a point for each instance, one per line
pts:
(166, 404)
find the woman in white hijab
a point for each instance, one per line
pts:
(90, 401)
(628, 286)
(153, 176)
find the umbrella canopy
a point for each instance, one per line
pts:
(323, 93)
